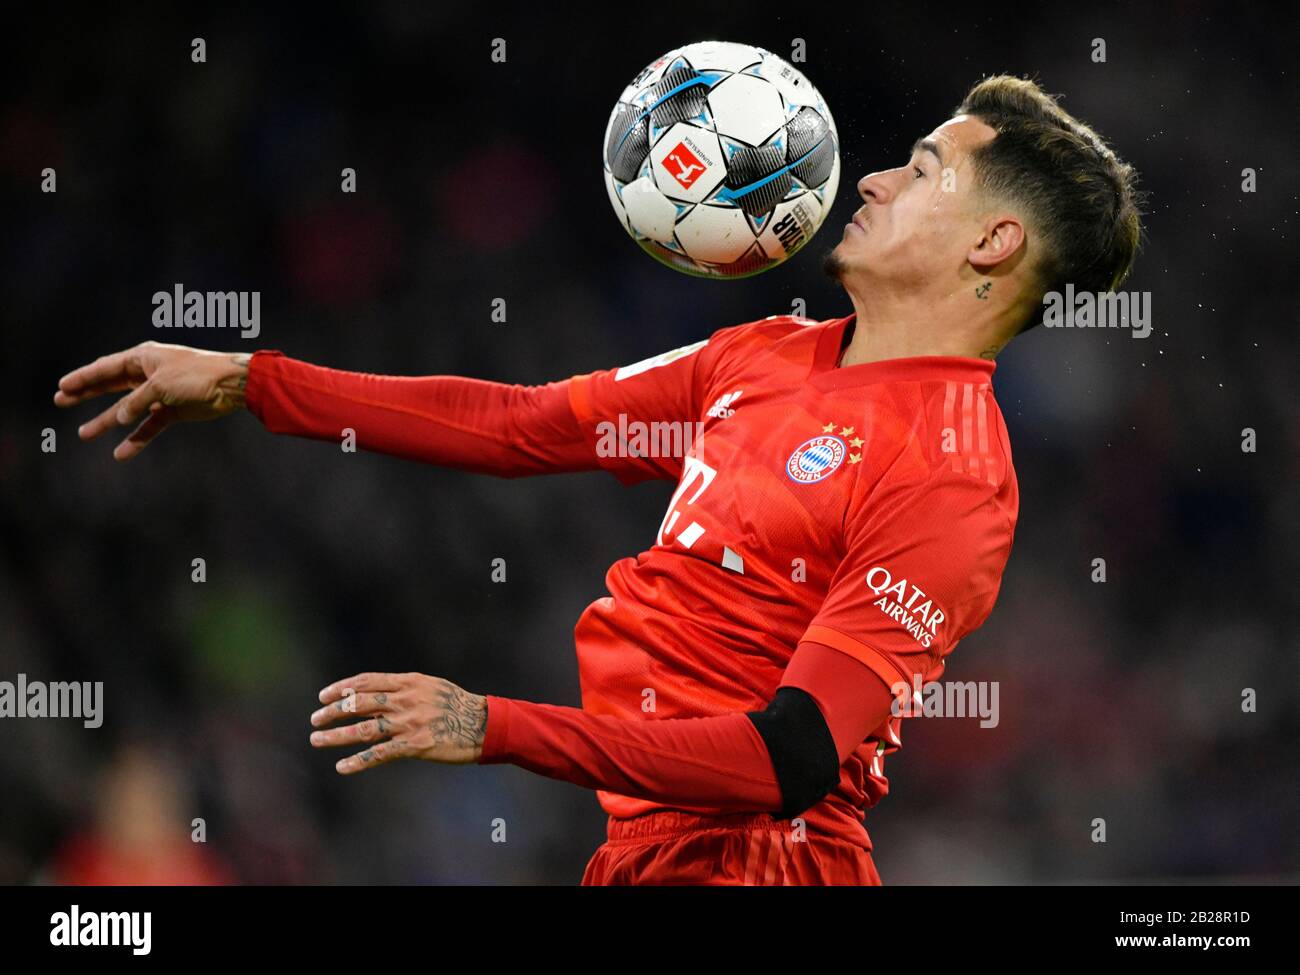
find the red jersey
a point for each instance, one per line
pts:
(869, 508)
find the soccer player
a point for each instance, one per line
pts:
(840, 523)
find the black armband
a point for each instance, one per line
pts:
(801, 748)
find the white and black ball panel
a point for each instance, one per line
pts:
(647, 77)
(678, 96)
(722, 55)
(746, 109)
(715, 234)
(612, 189)
(649, 212)
(756, 180)
(627, 142)
(826, 194)
(810, 147)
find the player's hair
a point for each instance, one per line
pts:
(1077, 194)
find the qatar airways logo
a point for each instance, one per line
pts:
(906, 604)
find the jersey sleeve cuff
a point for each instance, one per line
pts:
(496, 737)
(260, 372)
(887, 670)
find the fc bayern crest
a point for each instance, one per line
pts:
(815, 460)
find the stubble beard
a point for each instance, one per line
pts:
(833, 265)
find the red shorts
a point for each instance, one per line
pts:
(742, 850)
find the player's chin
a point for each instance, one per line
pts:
(837, 261)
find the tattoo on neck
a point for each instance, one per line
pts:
(991, 352)
(982, 292)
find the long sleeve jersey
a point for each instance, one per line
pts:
(836, 529)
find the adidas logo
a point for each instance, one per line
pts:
(722, 408)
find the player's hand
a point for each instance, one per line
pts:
(168, 383)
(405, 716)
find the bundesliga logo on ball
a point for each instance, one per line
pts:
(721, 160)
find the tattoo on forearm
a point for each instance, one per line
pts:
(231, 389)
(463, 720)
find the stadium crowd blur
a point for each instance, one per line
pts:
(1119, 701)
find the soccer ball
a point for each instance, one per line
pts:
(721, 160)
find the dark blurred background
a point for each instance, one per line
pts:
(477, 180)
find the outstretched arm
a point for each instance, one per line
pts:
(470, 424)
(503, 429)
(782, 759)
(586, 422)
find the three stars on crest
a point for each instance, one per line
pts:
(844, 432)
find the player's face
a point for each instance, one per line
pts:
(916, 223)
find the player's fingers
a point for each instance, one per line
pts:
(159, 419)
(376, 729)
(353, 706)
(108, 420)
(360, 682)
(108, 373)
(386, 751)
(105, 421)
(66, 399)
(135, 406)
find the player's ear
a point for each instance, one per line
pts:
(999, 240)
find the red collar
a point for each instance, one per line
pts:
(826, 375)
